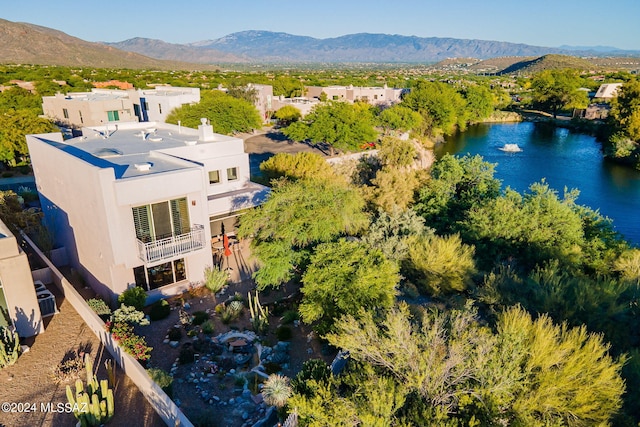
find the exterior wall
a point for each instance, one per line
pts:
(84, 112)
(16, 281)
(264, 98)
(102, 244)
(162, 100)
(373, 95)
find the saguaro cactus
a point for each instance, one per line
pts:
(92, 404)
(9, 347)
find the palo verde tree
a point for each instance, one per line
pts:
(442, 108)
(344, 277)
(297, 217)
(454, 371)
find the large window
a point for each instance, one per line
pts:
(161, 220)
(113, 116)
(214, 177)
(232, 174)
(160, 275)
(5, 319)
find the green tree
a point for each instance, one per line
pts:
(442, 108)
(399, 117)
(390, 230)
(296, 217)
(17, 98)
(555, 90)
(297, 166)
(287, 115)
(14, 126)
(480, 102)
(226, 113)
(396, 153)
(532, 228)
(624, 119)
(342, 125)
(439, 265)
(456, 185)
(527, 372)
(344, 277)
(392, 187)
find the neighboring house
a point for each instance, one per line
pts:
(140, 204)
(18, 301)
(373, 95)
(264, 98)
(597, 111)
(304, 105)
(607, 91)
(104, 106)
(113, 83)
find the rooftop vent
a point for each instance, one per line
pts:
(108, 152)
(142, 167)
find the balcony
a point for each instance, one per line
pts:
(173, 246)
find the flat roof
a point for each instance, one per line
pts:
(135, 149)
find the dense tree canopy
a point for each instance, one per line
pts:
(342, 125)
(343, 278)
(226, 113)
(297, 166)
(554, 90)
(297, 217)
(14, 126)
(399, 117)
(287, 115)
(451, 369)
(442, 108)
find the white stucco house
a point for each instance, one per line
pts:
(138, 203)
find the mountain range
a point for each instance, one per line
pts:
(24, 43)
(267, 46)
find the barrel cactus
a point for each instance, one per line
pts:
(9, 347)
(92, 404)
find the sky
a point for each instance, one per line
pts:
(549, 23)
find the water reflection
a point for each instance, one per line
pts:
(564, 159)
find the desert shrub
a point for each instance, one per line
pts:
(187, 355)
(207, 327)
(284, 333)
(290, 316)
(69, 367)
(128, 314)
(199, 317)
(159, 310)
(100, 307)
(215, 279)
(134, 297)
(174, 334)
(272, 368)
(163, 379)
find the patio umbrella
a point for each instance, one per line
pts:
(225, 243)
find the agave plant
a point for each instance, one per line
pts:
(276, 390)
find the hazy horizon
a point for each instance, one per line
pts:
(547, 23)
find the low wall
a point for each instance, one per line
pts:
(163, 405)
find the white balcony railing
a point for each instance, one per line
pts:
(171, 247)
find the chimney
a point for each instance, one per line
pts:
(205, 131)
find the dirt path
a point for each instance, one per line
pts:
(30, 380)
